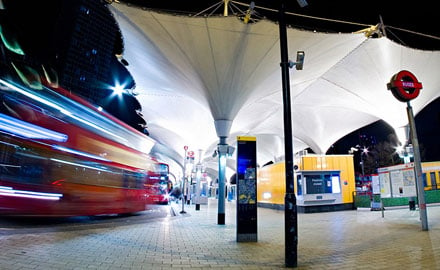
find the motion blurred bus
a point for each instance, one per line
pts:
(159, 185)
(61, 156)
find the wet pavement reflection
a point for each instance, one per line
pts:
(16, 225)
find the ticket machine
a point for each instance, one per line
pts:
(317, 190)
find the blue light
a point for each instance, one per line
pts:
(10, 192)
(24, 129)
(60, 108)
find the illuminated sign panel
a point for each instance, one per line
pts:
(246, 189)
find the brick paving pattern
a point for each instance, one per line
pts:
(357, 239)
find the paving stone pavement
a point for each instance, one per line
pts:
(356, 239)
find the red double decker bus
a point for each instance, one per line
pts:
(159, 185)
(61, 156)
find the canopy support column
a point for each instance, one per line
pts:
(222, 127)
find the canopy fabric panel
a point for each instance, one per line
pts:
(190, 71)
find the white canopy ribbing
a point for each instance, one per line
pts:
(190, 71)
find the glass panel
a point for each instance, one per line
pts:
(336, 185)
(315, 184)
(299, 185)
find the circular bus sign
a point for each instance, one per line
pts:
(404, 86)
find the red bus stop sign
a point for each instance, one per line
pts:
(404, 86)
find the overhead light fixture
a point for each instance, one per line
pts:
(371, 31)
(249, 12)
(302, 3)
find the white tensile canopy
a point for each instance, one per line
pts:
(192, 71)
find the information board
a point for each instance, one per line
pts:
(246, 189)
(397, 181)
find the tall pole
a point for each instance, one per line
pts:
(222, 146)
(418, 168)
(290, 209)
(198, 176)
(183, 182)
(362, 163)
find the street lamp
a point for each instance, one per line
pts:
(364, 151)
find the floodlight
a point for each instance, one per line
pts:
(249, 12)
(302, 3)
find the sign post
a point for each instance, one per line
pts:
(405, 87)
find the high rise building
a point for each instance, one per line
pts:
(80, 40)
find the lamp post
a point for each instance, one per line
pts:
(198, 176)
(184, 180)
(361, 156)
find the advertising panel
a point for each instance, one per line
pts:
(246, 189)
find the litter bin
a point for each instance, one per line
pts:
(412, 203)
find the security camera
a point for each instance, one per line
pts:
(299, 60)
